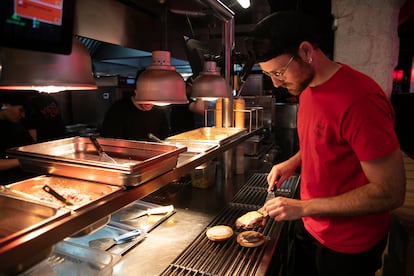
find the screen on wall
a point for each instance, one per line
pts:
(40, 25)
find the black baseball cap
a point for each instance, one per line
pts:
(282, 33)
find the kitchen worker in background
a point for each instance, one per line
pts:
(13, 134)
(352, 173)
(185, 117)
(43, 117)
(129, 120)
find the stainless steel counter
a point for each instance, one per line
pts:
(179, 245)
(163, 244)
(195, 209)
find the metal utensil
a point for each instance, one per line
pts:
(270, 195)
(55, 194)
(103, 156)
(107, 243)
(155, 138)
(150, 211)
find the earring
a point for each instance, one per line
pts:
(310, 60)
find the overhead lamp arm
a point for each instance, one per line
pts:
(227, 16)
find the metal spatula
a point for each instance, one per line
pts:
(270, 195)
(107, 243)
(103, 156)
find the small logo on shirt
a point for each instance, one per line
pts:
(319, 130)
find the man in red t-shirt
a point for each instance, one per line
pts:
(352, 173)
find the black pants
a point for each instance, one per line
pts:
(309, 257)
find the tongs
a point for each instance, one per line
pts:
(103, 156)
(56, 195)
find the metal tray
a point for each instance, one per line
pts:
(79, 192)
(210, 135)
(72, 259)
(195, 147)
(76, 157)
(20, 216)
(252, 145)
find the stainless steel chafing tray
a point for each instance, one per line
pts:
(76, 157)
(20, 216)
(194, 147)
(79, 193)
(209, 135)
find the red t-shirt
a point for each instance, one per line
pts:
(345, 120)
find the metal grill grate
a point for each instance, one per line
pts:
(204, 257)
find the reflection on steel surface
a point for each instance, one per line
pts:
(136, 161)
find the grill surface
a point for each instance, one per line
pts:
(205, 257)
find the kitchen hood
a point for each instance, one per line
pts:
(114, 60)
(121, 34)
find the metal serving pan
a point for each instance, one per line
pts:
(20, 216)
(194, 147)
(79, 193)
(210, 135)
(76, 157)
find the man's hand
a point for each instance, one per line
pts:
(282, 171)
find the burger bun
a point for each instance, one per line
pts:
(219, 233)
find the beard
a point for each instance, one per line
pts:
(305, 77)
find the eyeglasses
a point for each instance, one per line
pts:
(279, 75)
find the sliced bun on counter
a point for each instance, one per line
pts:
(219, 233)
(250, 219)
(250, 238)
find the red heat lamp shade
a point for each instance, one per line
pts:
(46, 72)
(160, 84)
(209, 85)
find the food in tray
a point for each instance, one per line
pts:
(250, 220)
(219, 233)
(250, 238)
(70, 194)
(73, 195)
(56, 195)
(74, 191)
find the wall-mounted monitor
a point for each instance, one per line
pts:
(41, 25)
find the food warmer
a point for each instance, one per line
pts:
(76, 157)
